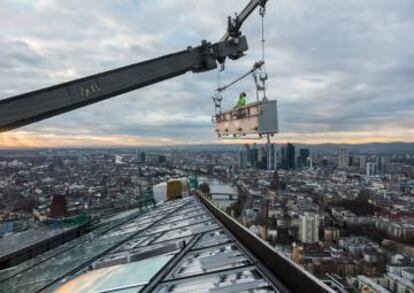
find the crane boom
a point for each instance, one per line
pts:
(48, 102)
(41, 104)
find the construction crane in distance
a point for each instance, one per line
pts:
(35, 106)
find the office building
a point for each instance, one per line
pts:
(253, 156)
(288, 156)
(372, 169)
(141, 157)
(244, 157)
(343, 158)
(248, 157)
(258, 157)
(304, 156)
(271, 156)
(363, 163)
(161, 159)
(383, 164)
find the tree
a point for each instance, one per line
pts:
(205, 188)
(361, 205)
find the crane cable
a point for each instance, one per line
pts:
(262, 77)
(256, 66)
(258, 78)
(262, 13)
(218, 98)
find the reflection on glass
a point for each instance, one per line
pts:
(116, 277)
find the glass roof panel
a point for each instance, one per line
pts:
(212, 238)
(127, 290)
(209, 260)
(68, 261)
(166, 225)
(189, 230)
(247, 279)
(65, 247)
(183, 216)
(116, 277)
(98, 263)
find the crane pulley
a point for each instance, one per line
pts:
(261, 78)
(234, 24)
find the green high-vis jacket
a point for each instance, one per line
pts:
(242, 101)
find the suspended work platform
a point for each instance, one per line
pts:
(255, 118)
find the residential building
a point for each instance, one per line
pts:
(309, 227)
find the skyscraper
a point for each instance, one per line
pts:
(309, 227)
(372, 169)
(253, 156)
(271, 156)
(288, 156)
(304, 154)
(161, 159)
(383, 164)
(260, 157)
(142, 157)
(244, 155)
(362, 163)
(343, 158)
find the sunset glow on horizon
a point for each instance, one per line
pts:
(22, 139)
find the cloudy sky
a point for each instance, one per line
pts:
(342, 71)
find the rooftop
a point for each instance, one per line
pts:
(26, 238)
(180, 246)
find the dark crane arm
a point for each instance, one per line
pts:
(48, 102)
(41, 104)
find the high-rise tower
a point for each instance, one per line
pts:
(343, 158)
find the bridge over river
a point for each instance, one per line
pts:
(224, 196)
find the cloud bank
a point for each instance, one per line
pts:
(341, 71)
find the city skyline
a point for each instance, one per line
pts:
(349, 226)
(355, 88)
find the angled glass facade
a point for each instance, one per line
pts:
(177, 247)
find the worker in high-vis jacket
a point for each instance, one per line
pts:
(242, 100)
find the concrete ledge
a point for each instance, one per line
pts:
(34, 249)
(289, 273)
